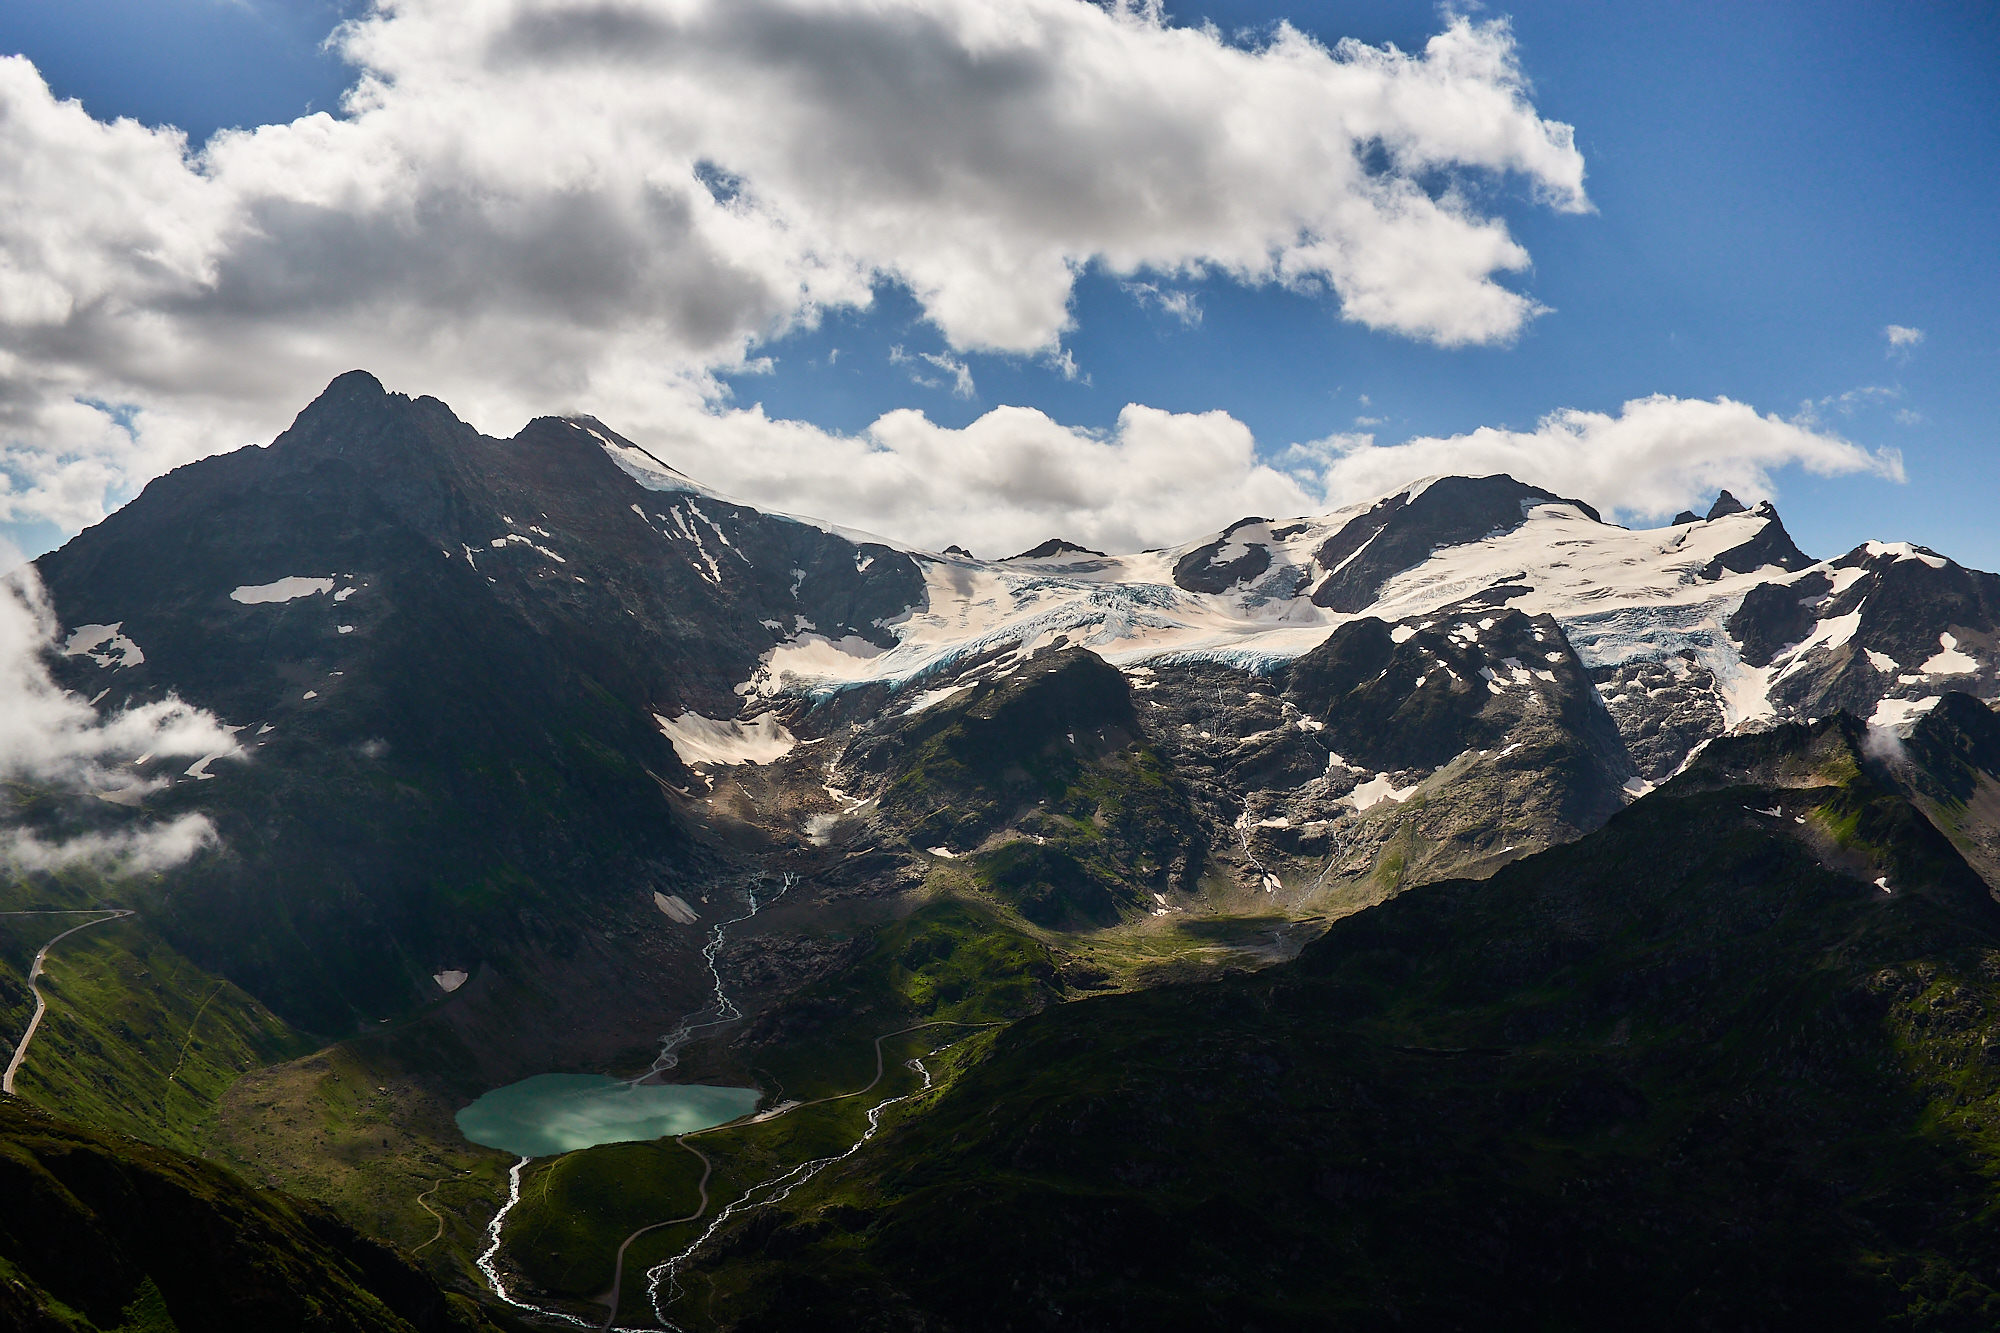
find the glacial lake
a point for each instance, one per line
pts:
(558, 1113)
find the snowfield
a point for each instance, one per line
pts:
(284, 590)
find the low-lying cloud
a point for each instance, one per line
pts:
(1003, 483)
(138, 851)
(1015, 476)
(52, 738)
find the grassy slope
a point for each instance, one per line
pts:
(1680, 1074)
(137, 1039)
(367, 1127)
(104, 1232)
(140, 1041)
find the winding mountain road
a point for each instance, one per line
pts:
(34, 976)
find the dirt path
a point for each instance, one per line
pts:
(34, 977)
(610, 1297)
(432, 1211)
(188, 1040)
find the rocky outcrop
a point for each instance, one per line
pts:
(1400, 531)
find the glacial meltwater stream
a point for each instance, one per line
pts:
(550, 1114)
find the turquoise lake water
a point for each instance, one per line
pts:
(558, 1113)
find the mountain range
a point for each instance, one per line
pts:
(1453, 909)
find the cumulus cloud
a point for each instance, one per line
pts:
(1005, 482)
(1659, 454)
(525, 203)
(50, 737)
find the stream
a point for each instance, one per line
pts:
(694, 1109)
(550, 1114)
(667, 1274)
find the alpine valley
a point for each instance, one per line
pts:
(628, 908)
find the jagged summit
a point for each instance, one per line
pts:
(1725, 505)
(1055, 548)
(1399, 530)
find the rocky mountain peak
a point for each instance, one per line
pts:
(1055, 548)
(1725, 505)
(1771, 546)
(1404, 528)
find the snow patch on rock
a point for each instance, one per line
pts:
(286, 589)
(104, 645)
(1950, 662)
(1378, 789)
(702, 740)
(1897, 712)
(676, 908)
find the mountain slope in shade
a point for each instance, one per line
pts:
(1698, 1069)
(449, 658)
(106, 1233)
(1951, 765)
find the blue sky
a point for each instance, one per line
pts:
(1774, 185)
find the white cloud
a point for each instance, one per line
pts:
(50, 737)
(1903, 342)
(139, 851)
(529, 203)
(1659, 454)
(1812, 412)
(1175, 303)
(1002, 484)
(1014, 476)
(961, 375)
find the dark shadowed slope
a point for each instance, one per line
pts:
(446, 653)
(102, 1232)
(1726, 1063)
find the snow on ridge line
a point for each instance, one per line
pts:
(704, 740)
(286, 589)
(1904, 551)
(655, 475)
